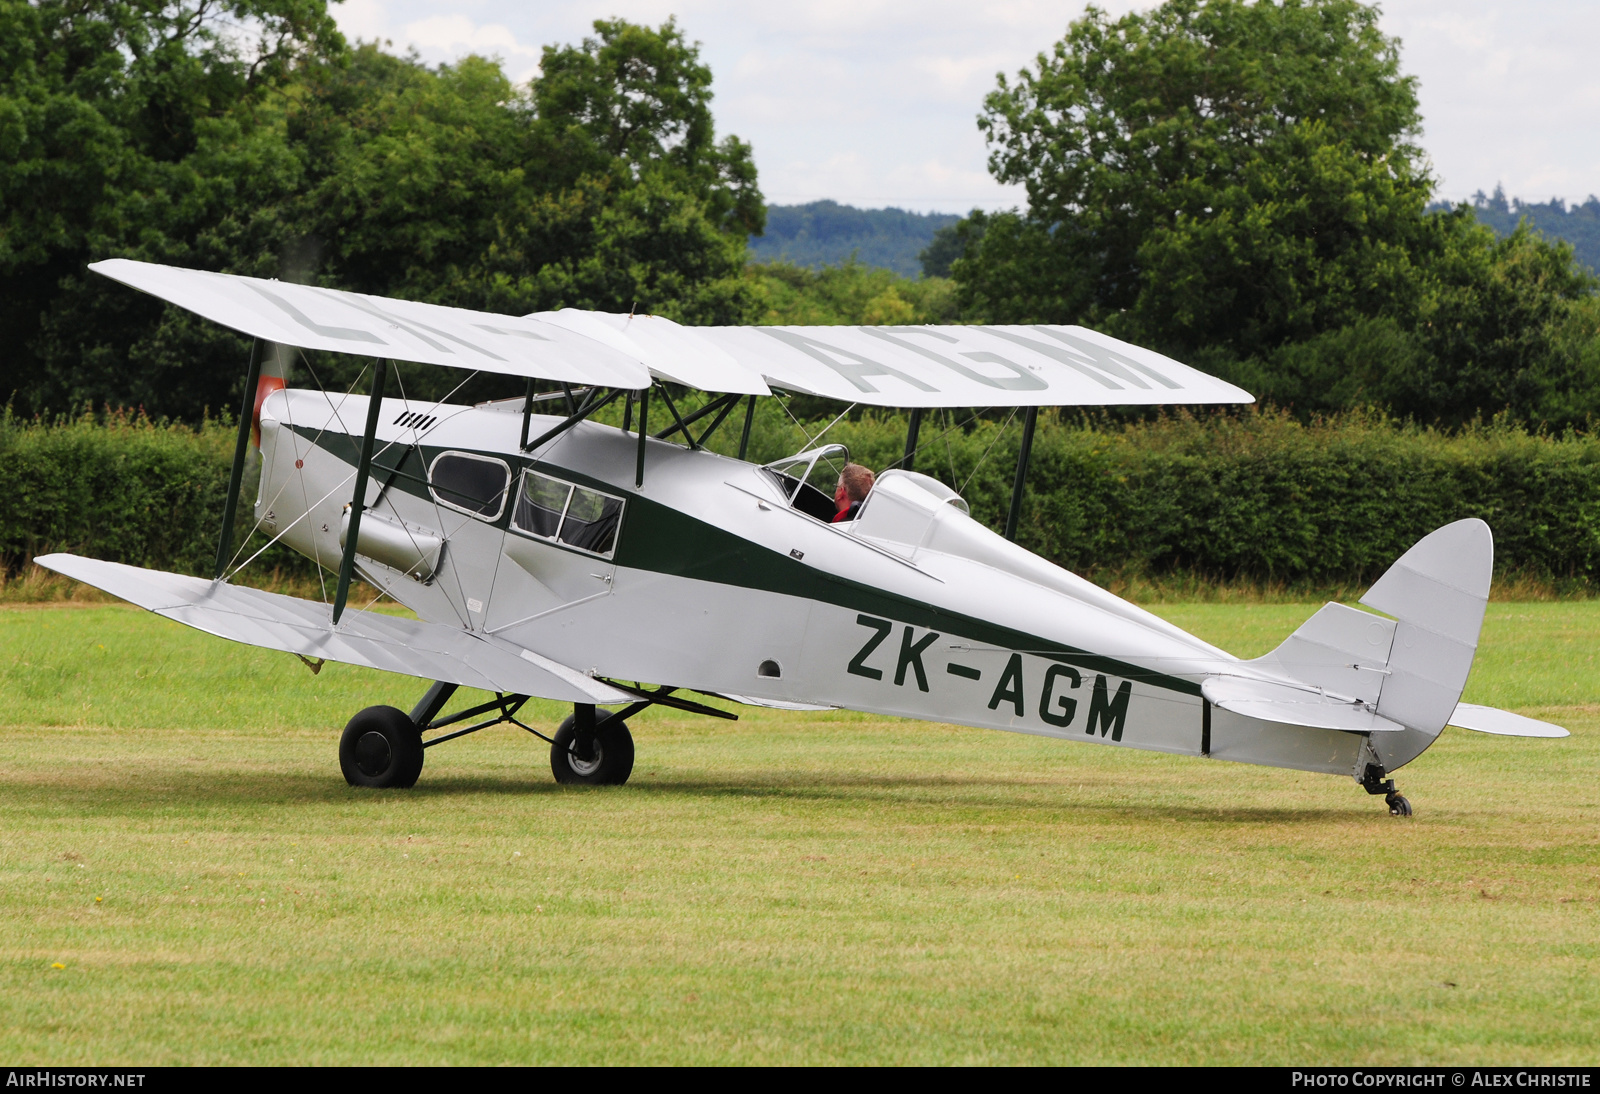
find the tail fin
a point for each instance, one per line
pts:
(1437, 591)
(1409, 670)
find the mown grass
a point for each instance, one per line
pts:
(787, 889)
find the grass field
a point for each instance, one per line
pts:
(185, 878)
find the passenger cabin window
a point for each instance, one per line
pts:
(808, 479)
(471, 484)
(575, 515)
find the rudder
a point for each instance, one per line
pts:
(1438, 592)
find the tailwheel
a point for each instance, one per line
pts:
(1373, 782)
(381, 747)
(599, 753)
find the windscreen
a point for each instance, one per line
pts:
(810, 479)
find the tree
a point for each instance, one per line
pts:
(1205, 173)
(600, 185)
(639, 101)
(133, 128)
(1238, 184)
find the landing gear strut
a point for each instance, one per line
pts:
(1373, 782)
(383, 746)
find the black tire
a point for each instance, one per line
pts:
(1399, 806)
(613, 760)
(381, 747)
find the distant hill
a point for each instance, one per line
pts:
(1579, 225)
(825, 233)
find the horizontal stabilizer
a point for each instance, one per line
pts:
(431, 651)
(1502, 723)
(1295, 706)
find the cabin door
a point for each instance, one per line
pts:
(558, 551)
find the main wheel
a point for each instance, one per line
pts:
(381, 746)
(611, 763)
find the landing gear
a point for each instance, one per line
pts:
(593, 747)
(1373, 782)
(381, 747)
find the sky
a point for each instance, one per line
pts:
(874, 102)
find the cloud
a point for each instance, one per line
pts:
(876, 100)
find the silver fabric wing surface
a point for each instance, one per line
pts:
(376, 326)
(893, 366)
(957, 366)
(431, 651)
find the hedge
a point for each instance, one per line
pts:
(1259, 496)
(121, 488)
(1254, 496)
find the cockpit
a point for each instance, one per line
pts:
(809, 479)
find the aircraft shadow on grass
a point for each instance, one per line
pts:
(1028, 796)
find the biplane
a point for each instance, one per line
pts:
(546, 554)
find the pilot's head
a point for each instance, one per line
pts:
(855, 482)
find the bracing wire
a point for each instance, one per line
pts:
(1001, 433)
(257, 526)
(923, 446)
(811, 442)
(949, 416)
(336, 416)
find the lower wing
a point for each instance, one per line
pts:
(431, 651)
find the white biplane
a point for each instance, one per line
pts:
(550, 555)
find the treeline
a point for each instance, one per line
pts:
(1236, 184)
(1577, 224)
(825, 233)
(1253, 498)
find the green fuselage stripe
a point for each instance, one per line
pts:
(663, 540)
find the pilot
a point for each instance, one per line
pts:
(855, 483)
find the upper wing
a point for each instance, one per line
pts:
(954, 366)
(376, 326)
(431, 651)
(898, 366)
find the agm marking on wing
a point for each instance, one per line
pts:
(1022, 381)
(1111, 370)
(856, 369)
(412, 326)
(1108, 713)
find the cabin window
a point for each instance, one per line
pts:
(591, 521)
(575, 515)
(542, 502)
(471, 484)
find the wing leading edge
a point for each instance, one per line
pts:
(890, 366)
(430, 651)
